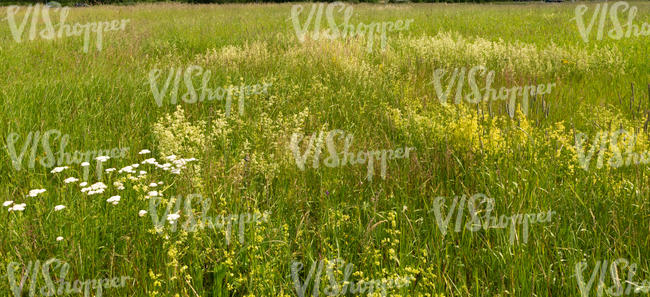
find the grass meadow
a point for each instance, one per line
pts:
(243, 162)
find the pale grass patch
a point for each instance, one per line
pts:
(347, 54)
(254, 53)
(449, 49)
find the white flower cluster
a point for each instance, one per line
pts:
(114, 200)
(153, 194)
(175, 165)
(173, 217)
(129, 169)
(70, 180)
(96, 188)
(58, 169)
(17, 207)
(35, 192)
(102, 158)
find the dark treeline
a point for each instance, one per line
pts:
(94, 2)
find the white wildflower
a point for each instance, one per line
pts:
(59, 238)
(7, 203)
(70, 180)
(145, 151)
(59, 207)
(18, 207)
(142, 213)
(35, 192)
(58, 169)
(150, 161)
(102, 158)
(85, 164)
(96, 188)
(127, 169)
(179, 163)
(114, 199)
(173, 217)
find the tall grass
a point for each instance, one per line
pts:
(385, 226)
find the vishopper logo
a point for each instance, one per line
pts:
(50, 32)
(206, 94)
(621, 143)
(62, 288)
(480, 203)
(336, 159)
(616, 269)
(191, 224)
(457, 82)
(345, 286)
(45, 140)
(601, 11)
(344, 30)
